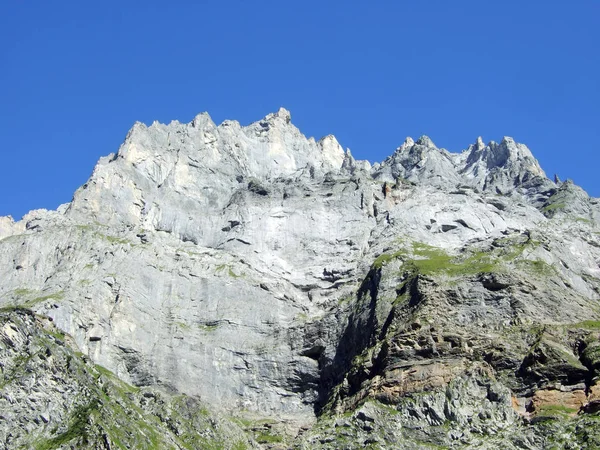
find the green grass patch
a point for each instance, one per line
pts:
(16, 371)
(113, 239)
(433, 260)
(246, 422)
(537, 267)
(57, 334)
(54, 296)
(239, 445)
(77, 430)
(11, 308)
(587, 324)
(401, 299)
(26, 300)
(242, 422)
(93, 229)
(554, 206)
(226, 268)
(104, 371)
(182, 325)
(302, 317)
(268, 438)
(385, 258)
(556, 410)
(23, 292)
(429, 260)
(344, 300)
(389, 409)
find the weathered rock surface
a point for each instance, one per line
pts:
(55, 397)
(432, 299)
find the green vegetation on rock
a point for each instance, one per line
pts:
(429, 260)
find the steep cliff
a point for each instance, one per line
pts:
(433, 299)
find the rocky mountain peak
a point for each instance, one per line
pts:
(202, 120)
(333, 153)
(479, 145)
(408, 143)
(425, 141)
(507, 153)
(282, 114)
(207, 275)
(504, 166)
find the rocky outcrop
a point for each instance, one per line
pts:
(431, 299)
(55, 397)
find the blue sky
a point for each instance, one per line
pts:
(76, 75)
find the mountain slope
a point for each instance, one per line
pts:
(54, 397)
(274, 276)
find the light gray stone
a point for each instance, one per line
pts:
(238, 263)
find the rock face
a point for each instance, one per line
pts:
(432, 299)
(55, 397)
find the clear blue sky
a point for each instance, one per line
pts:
(75, 75)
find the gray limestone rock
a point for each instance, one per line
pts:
(274, 276)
